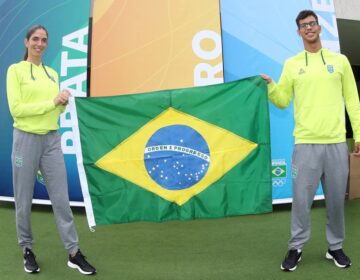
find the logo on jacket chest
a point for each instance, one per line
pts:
(301, 71)
(330, 68)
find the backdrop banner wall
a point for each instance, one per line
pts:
(258, 36)
(67, 24)
(179, 46)
(171, 46)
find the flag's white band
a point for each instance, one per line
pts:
(175, 148)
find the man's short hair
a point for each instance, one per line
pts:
(304, 14)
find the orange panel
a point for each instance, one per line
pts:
(141, 45)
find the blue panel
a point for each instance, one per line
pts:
(258, 36)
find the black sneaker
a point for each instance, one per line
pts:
(79, 261)
(30, 264)
(339, 257)
(291, 260)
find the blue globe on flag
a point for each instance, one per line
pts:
(177, 157)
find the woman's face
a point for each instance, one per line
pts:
(37, 43)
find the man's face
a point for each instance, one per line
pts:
(309, 29)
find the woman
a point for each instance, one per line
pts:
(35, 105)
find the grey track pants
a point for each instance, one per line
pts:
(30, 153)
(312, 163)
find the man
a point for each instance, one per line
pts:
(321, 83)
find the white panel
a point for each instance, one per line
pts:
(349, 9)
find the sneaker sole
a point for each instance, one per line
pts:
(31, 271)
(330, 257)
(75, 266)
(290, 269)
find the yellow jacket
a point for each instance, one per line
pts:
(321, 84)
(30, 97)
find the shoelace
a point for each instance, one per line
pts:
(30, 257)
(339, 254)
(293, 253)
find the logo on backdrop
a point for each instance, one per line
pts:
(176, 157)
(40, 178)
(278, 171)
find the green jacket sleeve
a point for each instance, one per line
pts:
(18, 108)
(351, 99)
(281, 94)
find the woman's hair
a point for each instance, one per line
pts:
(30, 32)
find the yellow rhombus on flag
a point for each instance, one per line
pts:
(127, 160)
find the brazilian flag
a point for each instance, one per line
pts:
(190, 153)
